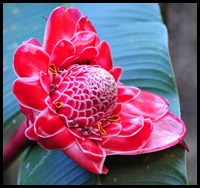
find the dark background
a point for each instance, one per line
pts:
(181, 22)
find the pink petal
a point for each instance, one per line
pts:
(62, 50)
(45, 82)
(30, 134)
(84, 25)
(62, 140)
(34, 42)
(127, 93)
(48, 124)
(60, 25)
(82, 40)
(88, 155)
(127, 145)
(117, 109)
(167, 131)
(130, 125)
(30, 93)
(116, 72)
(30, 60)
(88, 54)
(104, 58)
(148, 105)
(113, 129)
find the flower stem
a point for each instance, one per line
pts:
(15, 146)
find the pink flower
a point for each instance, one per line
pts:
(73, 100)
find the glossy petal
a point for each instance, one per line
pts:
(30, 93)
(127, 93)
(62, 140)
(84, 25)
(130, 125)
(30, 134)
(48, 124)
(88, 155)
(113, 129)
(148, 105)
(88, 53)
(167, 131)
(63, 50)
(127, 145)
(116, 72)
(33, 41)
(82, 40)
(60, 25)
(30, 60)
(104, 58)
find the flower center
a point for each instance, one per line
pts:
(84, 96)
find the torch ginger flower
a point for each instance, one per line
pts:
(70, 92)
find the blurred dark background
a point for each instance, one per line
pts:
(181, 22)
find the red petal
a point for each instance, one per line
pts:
(88, 155)
(127, 145)
(167, 131)
(82, 40)
(130, 125)
(30, 93)
(63, 50)
(116, 72)
(148, 105)
(104, 58)
(113, 129)
(62, 140)
(48, 124)
(127, 93)
(45, 82)
(88, 53)
(60, 25)
(30, 134)
(34, 42)
(30, 60)
(84, 25)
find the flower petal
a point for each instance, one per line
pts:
(113, 129)
(84, 25)
(127, 145)
(148, 105)
(88, 53)
(29, 60)
(62, 140)
(48, 124)
(30, 93)
(60, 25)
(83, 39)
(88, 155)
(33, 41)
(130, 125)
(63, 50)
(104, 58)
(167, 131)
(30, 134)
(116, 72)
(127, 93)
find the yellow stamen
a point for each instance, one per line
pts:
(59, 104)
(52, 68)
(101, 130)
(113, 118)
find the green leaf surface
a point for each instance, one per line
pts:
(52, 168)
(21, 21)
(139, 44)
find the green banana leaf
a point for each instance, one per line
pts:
(139, 44)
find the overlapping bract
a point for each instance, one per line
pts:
(70, 92)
